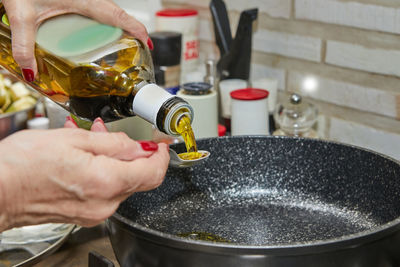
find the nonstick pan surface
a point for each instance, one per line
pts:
(273, 192)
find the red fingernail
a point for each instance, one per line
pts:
(71, 120)
(98, 120)
(28, 75)
(150, 44)
(148, 145)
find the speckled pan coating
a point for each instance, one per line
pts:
(273, 191)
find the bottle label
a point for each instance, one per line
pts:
(71, 36)
(148, 101)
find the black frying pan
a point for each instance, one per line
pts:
(273, 202)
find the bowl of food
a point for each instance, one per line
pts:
(17, 105)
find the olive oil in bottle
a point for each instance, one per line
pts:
(95, 70)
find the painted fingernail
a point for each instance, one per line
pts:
(68, 118)
(28, 75)
(99, 120)
(148, 145)
(150, 43)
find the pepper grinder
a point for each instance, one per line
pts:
(296, 117)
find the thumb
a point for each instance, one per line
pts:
(110, 13)
(114, 145)
(98, 126)
(23, 31)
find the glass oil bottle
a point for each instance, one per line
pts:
(95, 70)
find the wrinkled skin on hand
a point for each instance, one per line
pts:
(72, 175)
(25, 17)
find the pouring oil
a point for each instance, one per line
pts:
(95, 70)
(181, 123)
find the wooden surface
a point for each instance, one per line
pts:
(75, 251)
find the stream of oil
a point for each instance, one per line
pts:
(185, 130)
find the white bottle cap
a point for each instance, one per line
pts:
(39, 123)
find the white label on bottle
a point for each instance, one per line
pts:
(148, 101)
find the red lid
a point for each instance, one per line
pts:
(177, 12)
(221, 130)
(249, 94)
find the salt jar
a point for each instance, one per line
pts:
(249, 112)
(296, 117)
(186, 22)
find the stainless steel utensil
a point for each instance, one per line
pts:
(176, 161)
(15, 121)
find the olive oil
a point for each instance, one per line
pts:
(95, 70)
(184, 128)
(90, 85)
(203, 236)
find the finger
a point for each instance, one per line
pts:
(99, 126)
(23, 27)
(114, 145)
(70, 123)
(146, 173)
(108, 12)
(139, 175)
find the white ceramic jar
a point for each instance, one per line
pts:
(249, 112)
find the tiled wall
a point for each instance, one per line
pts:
(351, 47)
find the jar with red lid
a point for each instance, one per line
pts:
(249, 112)
(184, 21)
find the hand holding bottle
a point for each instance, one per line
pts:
(73, 175)
(25, 16)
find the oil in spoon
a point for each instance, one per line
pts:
(185, 130)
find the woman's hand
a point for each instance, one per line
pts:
(73, 175)
(25, 16)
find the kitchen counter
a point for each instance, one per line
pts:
(75, 250)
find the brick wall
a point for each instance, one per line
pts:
(351, 47)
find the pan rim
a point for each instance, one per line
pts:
(294, 248)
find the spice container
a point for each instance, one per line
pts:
(225, 88)
(186, 22)
(271, 85)
(249, 112)
(167, 59)
(296, 117)
(211, 72)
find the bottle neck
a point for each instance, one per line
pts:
(162, 109)
(170, 114)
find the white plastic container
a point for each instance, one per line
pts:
(186, 22)
(249, 111)
(271, 85)
(205, 106)
(40, 123)
(142, 10)
(225, 88)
